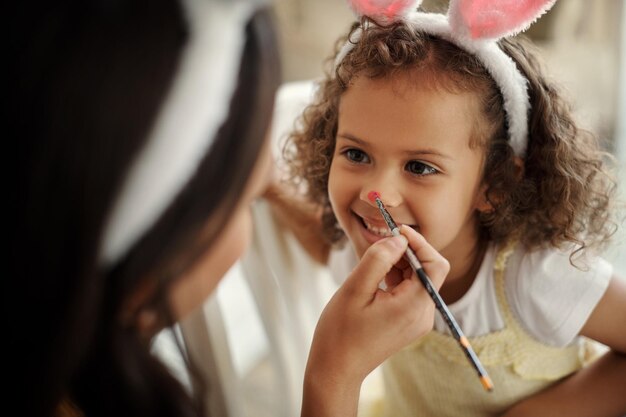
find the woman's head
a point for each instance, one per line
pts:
(566, 202)
(214, 183)
(90, 83)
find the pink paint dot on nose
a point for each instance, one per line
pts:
(372, 195)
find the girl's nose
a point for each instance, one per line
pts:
(388, 194)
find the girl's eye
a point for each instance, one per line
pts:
(356, 156)
(420, 168)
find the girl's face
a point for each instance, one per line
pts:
(412, 146)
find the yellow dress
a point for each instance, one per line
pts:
(432, 377)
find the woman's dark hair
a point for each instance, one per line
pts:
(87, 83)
(564, 193)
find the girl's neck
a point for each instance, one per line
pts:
(463, 270)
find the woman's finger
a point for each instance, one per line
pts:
(376, 263)
(394, 277)
(434, 264)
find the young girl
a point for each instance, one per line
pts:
(472, 146)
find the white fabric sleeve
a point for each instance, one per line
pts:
(341, 262)
(552, 298)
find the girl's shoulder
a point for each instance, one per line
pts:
(553, 295)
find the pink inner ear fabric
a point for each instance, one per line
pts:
(498, 18)
(390, 9)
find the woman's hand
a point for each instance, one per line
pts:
(362, 325)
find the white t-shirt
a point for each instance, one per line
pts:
(551, 298)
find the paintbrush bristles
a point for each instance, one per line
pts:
(374, 197)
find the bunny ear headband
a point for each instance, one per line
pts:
(475, 26)
(195, 107)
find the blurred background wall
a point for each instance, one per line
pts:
(582, 42)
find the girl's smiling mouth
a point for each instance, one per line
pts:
(379, 227)
(380, 231)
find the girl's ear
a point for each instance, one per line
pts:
(485, 202)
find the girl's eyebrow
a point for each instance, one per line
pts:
(352, 138)
(432, 152)
(410, 153)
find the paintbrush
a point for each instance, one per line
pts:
(439, 303)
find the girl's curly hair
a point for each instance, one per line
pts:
(562, 195)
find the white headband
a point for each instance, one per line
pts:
(475, 26)
(196, 106)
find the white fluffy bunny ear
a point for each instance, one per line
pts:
(494, 19)
(384, 11)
